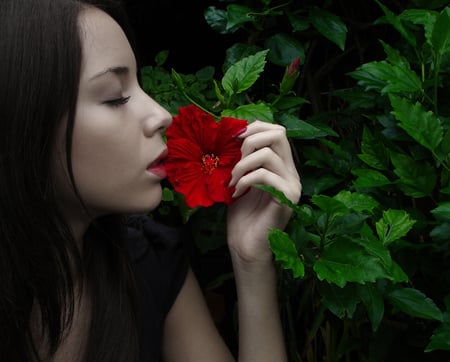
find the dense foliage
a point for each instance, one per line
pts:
(364, 262)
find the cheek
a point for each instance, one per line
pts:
(102, 143)
(101, 158)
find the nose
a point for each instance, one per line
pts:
(157, 118)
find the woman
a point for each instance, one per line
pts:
(81, 146)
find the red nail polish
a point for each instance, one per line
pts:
(236, 134)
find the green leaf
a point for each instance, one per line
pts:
(217, 19)
(344, 261)
(280, 197)
(237, 15)
(398, 274)
(396, 22)
(369, 178)
(330, 205)
(287, 102)
(441, 231)
(251, 112)
(168, 194)
(374, 303)
(393, 225)
(357, 201)
(424, 17)
(420, 124)
(442, 210)
(367, 80)
(286, 253)
(283, 49)
(392, 78)
(241, 76)
(315, 185)
(416, 178)
(329, 25)
(299, 129)
(373, 151)
(376, 249)
(340, 301)
(298, 22)
(441, 336)
(161, 57)
(414, 303)
(440, 37)
(393, 56)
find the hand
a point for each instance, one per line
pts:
(266, 159)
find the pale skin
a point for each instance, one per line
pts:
(115, 146)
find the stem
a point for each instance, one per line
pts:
(435, 81)
(196, 104)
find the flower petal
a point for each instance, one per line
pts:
(194, 137)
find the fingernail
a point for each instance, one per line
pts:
(241, 131)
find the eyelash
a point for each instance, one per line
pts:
(117, 102)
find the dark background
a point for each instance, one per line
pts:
(177, 26)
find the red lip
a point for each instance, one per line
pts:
(157, 166)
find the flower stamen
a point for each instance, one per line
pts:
(209, 163)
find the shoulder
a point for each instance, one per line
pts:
(160, 266)
(145, 234)
(159, 258)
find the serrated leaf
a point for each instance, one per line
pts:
(424, 17)
(286, 253)
(242, 75)
(442, 210)
(440, 37)
(344, 261)
(373, 151)
(237, 15)
(415, 303)
(367, 80)
(441, 336)
(416, 178)
(395, 21)
(340, 301)
(251, 112)
(441, 231)
(393, 225)
(377, 249)
(329, 25)
(420, 124)
(330, 205)
(369, 178)
(357, 201)
(283, 48)
(374, 303)
(395, 78)
(393, 56)
(280, 197)
(217, 20)
(299, 129)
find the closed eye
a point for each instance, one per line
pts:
(117, 102)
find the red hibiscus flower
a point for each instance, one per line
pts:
(202, 153)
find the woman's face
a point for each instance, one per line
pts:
(117, 139)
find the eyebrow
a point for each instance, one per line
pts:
(119, 70)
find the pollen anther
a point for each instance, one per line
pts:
(209, 163)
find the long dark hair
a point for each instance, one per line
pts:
(40, 62)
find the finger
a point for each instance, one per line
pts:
(290, 188)
(262, 158)
(262, 134)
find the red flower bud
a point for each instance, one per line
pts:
(294, 67)
(290, 76)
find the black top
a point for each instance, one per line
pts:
(160, 265)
